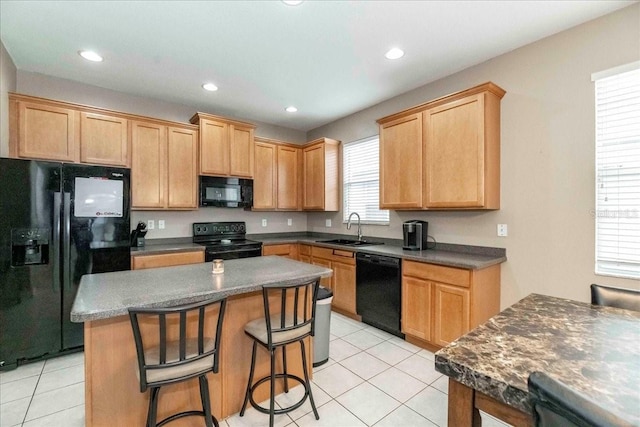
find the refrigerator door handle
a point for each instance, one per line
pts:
(66, 239)
(57, 202)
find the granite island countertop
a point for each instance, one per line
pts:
(106, 295)
(592, 349)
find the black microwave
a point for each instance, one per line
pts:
(226, 192)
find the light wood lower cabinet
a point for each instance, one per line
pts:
(139, 262)
(304, 253)
(343, 280)
(285, 250)
(439, 304)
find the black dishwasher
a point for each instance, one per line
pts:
(378, 291)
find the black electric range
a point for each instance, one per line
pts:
(225, 240)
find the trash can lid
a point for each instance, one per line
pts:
(324, 293)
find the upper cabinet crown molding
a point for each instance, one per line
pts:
(226, 146)
(443, 154)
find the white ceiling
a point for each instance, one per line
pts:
(324, 57)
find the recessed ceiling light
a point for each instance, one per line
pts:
(291, 109)
(90, 55)
(394, 53)
(292, 2)
(210, 87)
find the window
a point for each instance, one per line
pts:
(361, 171)
(617, 211)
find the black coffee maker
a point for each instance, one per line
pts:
(137, 235)
(415, 235)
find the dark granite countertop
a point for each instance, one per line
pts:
(105, 295)
(594, 350)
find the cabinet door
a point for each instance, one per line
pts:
(454, 158)
(214, 148)
(265, 178)
(182, 168)
(344, 286)
(148, 165)
(103, 140)
(325, 281)
(451, 313)
(416, 307)
(288, 178)
(401, 163)
(241, 152)
(313, 166)
(46, 132)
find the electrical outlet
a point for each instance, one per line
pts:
(151, 224)
(161, 224)
(327, 223)
(502, 230)
(264, 222)
(289, 222)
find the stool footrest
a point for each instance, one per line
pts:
(186, 414)
(281, 410)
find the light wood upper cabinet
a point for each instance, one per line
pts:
(451, 148)
(288, 177)
(265, 179)
(104, 139)
(321, 176)
(226, 146)
(148, 166)
(164, 166)
(401, 163)
(43, 130)
(182, 168)
(276, 175)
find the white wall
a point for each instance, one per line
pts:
(7, 84)
(548, 176)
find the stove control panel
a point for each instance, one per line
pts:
(218, 228)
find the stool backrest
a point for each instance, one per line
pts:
(628, 299)
(180, 346)
(555, 404)
(295, 312)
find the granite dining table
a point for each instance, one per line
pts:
(594, 350)
(112, 389)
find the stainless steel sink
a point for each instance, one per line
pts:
(348, 242)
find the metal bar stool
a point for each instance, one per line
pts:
(294, 321)
(182, 353)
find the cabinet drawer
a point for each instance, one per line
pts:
(139, 262)
(437, 273)
(282, 250)
(343, 256)
(305, 250)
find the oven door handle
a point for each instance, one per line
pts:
(232, 251)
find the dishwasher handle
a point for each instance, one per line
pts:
(362, 258)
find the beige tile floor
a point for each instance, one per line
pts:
(371, 379)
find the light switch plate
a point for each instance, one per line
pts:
(327, 223)
(289, 222)
(151, 224)
(502, 230)
(264, 222)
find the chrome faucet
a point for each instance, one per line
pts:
(359, 228)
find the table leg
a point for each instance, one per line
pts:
(462, 410)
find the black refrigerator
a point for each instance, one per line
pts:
(57, 223)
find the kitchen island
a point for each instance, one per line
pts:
(112, 392)
(592, 349)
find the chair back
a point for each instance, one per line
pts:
(187, 344)
(294, 318)
(555, 404)
(628, 299)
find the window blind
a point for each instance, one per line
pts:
(361, 180)
(618, 174)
